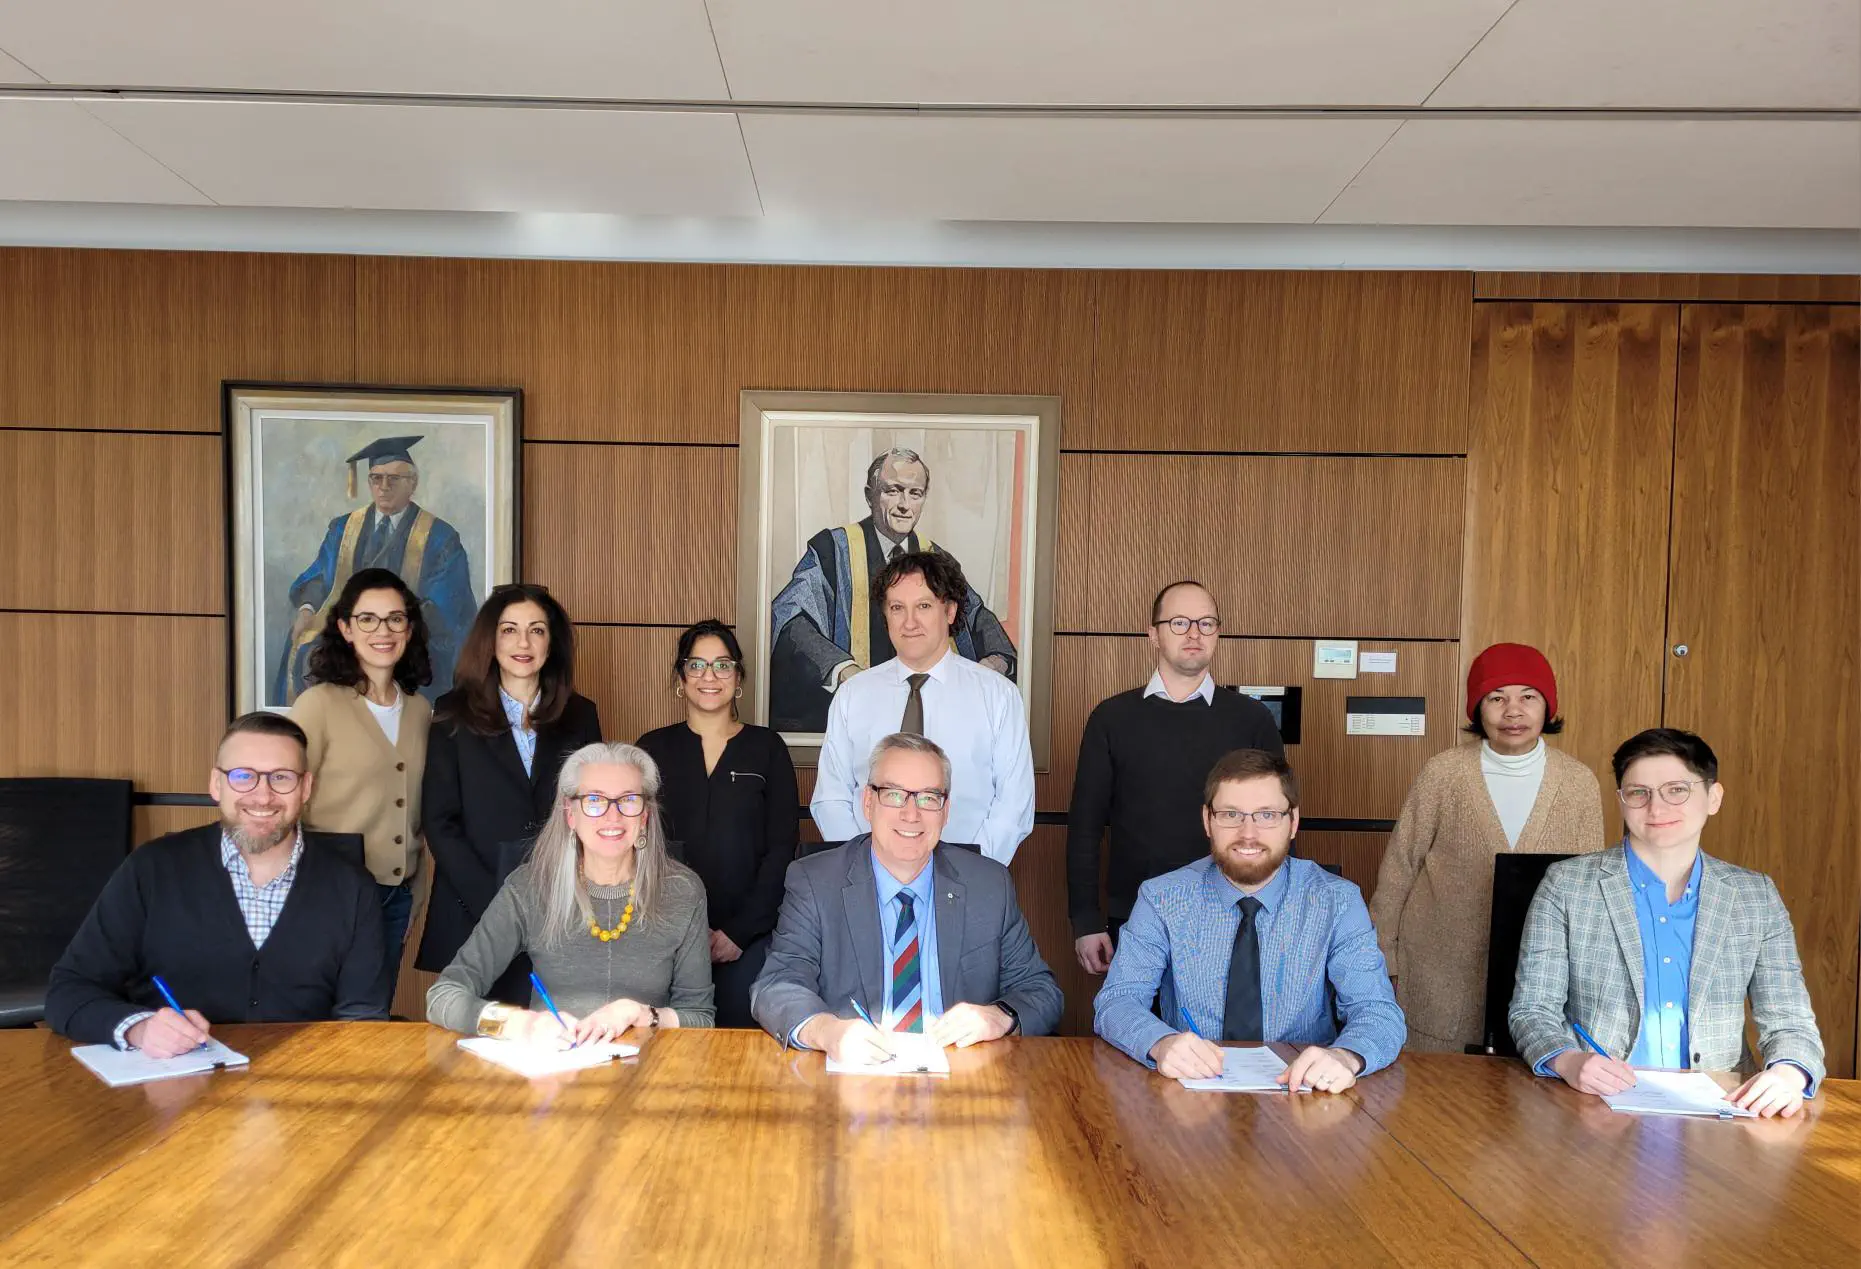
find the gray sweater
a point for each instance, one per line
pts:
(660, 961)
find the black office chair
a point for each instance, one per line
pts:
(1515, 883)
(60, 839)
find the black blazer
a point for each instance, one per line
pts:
(475, 798)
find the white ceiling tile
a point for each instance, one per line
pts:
(11, 72)
(613, 48)
(1778, 174)
(1674, 53)
(53, 151)
(1279, 52)
(436, 158)
(1114, 170)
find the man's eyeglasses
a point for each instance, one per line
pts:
(1674, 793)
(721, 667)
(1234, 819)
(245, 779)
(368, 622)
(1180, 625)
(894, 797)
(594, 805)
(386, 480)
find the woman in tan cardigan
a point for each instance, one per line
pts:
(367, 727)
(1508, 793)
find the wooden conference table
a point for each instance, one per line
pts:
(382, 1144)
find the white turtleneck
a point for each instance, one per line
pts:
(1512, 783)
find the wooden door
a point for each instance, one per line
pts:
(1764, 591)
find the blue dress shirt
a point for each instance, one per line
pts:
(1319, 963)
(524, 736)
(1666, 964)
(973, 713)
(924, 911)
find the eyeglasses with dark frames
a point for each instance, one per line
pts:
(245, 779)
(594, 805)
(1180, 625)
(368, 622)
(893, 796)
(723, 667)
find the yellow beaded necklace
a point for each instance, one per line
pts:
(608, 936)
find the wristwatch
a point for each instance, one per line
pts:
(492, 1020)
(1014, 1019)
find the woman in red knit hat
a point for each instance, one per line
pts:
(1509, 792)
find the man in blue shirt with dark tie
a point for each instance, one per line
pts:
(1249, 944)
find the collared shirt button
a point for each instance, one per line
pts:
(1667, 960)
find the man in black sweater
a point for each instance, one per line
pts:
(1142, 763)
(249, 920)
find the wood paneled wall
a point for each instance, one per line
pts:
(1566, 510)
(1764, 594)
(1368, 455)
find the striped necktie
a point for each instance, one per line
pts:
(907, 1010)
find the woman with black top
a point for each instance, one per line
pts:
(730, 807)
(498, 741)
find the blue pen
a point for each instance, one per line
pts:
(1587, 1038)
(867, 1019)
(173, 1004)
(554, 1012)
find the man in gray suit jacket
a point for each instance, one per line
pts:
(1653, 948)
(923, 939)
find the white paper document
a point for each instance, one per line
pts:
(1244, 1071)
(117, 1067)
(1675, 1093)
(913, 1053)
(534, 1061)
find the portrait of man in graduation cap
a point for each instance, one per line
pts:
(393, 532)
(827, 622)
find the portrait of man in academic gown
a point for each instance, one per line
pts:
(827, 622)
(396, 533)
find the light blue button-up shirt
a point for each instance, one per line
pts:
(524, 736)
(1319, 964)
(1666, 964)
(976, 716)
(924, 911)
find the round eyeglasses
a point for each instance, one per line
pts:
(368, 622)
(594, 805)
(1674, 793)
(245, 779)
(1180, 625)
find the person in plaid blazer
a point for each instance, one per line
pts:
(1653, 948)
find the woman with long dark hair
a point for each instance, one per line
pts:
(730, 806)
(498, 742)
(367, 726)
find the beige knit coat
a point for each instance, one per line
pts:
(1434, 895)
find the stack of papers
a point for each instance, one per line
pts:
(1675, 1093)
(913, 1053)
(534, 1061)
(117, 1067)
(1244, 1071)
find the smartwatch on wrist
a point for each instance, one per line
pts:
(1014, 1019)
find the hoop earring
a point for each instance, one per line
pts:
(738, 696)
(679, 691)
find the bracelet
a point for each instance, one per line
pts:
(653, 1012)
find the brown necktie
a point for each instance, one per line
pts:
(914, 707)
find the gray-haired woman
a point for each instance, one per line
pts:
(617, 931)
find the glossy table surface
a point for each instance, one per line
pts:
(383, 1144)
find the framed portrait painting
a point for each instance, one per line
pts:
(833, 484)
(324, 482)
